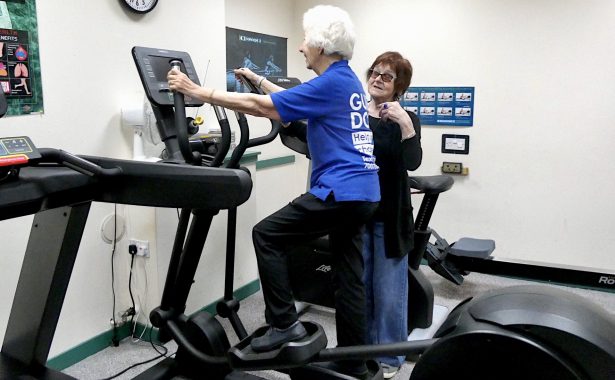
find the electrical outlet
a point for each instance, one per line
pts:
(127, 314)
(142, 247)
(452, 167)
(119, 320)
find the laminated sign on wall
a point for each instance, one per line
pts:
(450, 106)
(20, 71)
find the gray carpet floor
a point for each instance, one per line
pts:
(114, 359)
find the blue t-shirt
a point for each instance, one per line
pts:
(339, 139)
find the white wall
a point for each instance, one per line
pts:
(540, 161)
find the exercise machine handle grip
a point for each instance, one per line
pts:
(76, 163)
(180, 119)
(241, 147)
(225, 130)
(275, 129)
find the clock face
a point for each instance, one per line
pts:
(141, 6)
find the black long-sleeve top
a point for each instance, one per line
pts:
(394, 158)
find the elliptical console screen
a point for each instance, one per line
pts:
(161, 66)
(153, 66)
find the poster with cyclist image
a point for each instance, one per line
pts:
(262, 53)
(20, 73)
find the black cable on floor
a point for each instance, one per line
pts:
(114, 338)
(161, 354)
(132, 366)
(151, 341)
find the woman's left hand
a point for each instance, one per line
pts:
(249, 74)
(393, 111)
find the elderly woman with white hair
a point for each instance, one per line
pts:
(344, 189)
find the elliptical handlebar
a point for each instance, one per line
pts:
(180, 119)
(225, 130)
(245, 142)
(275, 129)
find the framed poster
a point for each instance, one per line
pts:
(262, 53)
(20, 69)
(450, 106)
(455, 144)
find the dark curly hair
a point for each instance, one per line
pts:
(402, 68)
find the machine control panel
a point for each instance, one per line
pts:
(153, 66)
(17, 151)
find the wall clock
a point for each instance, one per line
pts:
(140, 6)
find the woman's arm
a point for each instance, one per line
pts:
(259, 81)
(412, 153)
(251, 104)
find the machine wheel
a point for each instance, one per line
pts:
(208, 335)
(492, 355)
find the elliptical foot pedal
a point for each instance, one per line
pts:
(321, 372)
(291, 354)
(438, 263)
(470, 247)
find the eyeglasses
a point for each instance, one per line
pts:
(385, 76)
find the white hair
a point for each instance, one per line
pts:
(331, 29)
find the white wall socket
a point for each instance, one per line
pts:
(142, 247)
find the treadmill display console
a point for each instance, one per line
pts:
(15, 151)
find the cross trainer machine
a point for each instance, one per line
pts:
(59, 188)
(203, 346)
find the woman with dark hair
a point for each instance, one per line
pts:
(388, 235)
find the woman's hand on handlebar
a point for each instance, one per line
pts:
(249, 74)
(180, 82)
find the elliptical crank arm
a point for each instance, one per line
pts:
(183, 342)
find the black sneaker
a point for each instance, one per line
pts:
(275, 337)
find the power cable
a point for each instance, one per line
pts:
(114, 339)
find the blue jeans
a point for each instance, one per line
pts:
(386, 291)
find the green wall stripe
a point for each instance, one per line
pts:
(87, 348)
(246, 158)
(262, 164)
(103, 340)
(244, 292)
